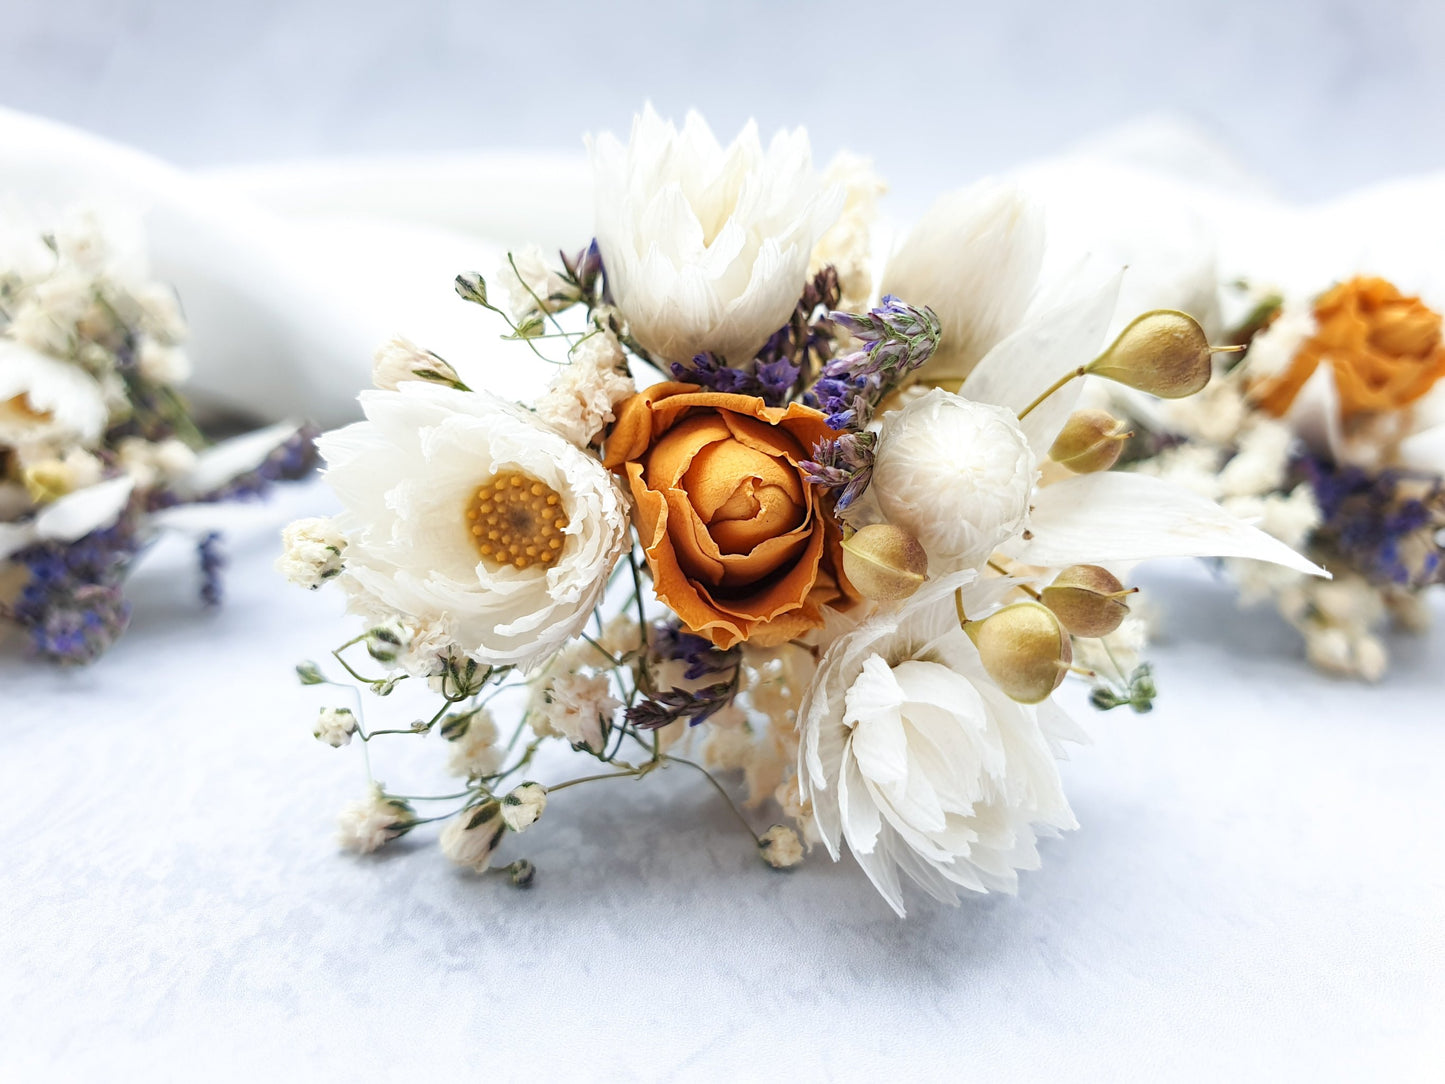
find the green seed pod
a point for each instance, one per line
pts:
(884, 562)
(1164, 353)
(1087, 599)
(1024, 649)
(1091, 440)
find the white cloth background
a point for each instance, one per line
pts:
(1256, 888)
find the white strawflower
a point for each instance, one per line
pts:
(458, 505)
(474, 749)
(45, 400)
(398, 360)
(162, 364)
(334, 726)
(536, 286)
(847, 246)
(366, 825)
(974, 259)
(470, 838)
(576, 706)
(913, 756)
(522, 807)
(955, 474)
(312, 552)
(707, 248)
(780, 846)
(579, 401)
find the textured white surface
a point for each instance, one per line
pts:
(1256, 889)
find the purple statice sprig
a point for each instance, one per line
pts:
(701, 660)
(1386, 525)
(897, 339)
(843, 465)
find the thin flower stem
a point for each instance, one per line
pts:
(542, 308)
(719, 788)
(611, 658)
(593, 778)
(1025, 588)
(958, 605)
(431, 797)
(1055, 386)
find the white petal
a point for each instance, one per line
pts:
(15, 537)
(232, 458)
(1424, 450)
(1315, 413)
(1119, 516)
(1018, 370)
(77, 514)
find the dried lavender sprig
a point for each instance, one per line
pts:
(844, 465)
(771, 381)
(897, 340)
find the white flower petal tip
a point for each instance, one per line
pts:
(1023, 366)
(707, 249)
(232, 458)
(974, 258)
(1119, 516)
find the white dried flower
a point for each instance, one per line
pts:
(334, 726)
(160, 312)
(366, 825)
(1261, 461)
(47, 401)
(474, 749)
(53, 477)
(152, 463)
(955, 474)
(427, 480)
(399, 360)
(522, 807)
(847, 246)
(1273, 350)
(780, 846)
(914, 756)
(312, 552)
(49, 313)
(162, 364)
(707, 248)
(576, 706)
(579, 402)
(536, 285)
(471, 837)
(974, 259)
(428, 646)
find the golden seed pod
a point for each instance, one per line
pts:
(884, 562)
(1091, 440)
(1024, 649)
(1164, 353)
(1087, 600)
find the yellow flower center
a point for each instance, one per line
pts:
(20, 406)
(516, 520)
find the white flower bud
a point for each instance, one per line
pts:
(312, 554)
(524, 805)
(472, 835)
(335, 726)
(399, 360)
(374, 821)
(780, 847)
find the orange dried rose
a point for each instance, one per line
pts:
(1385, 350)
(739, 543)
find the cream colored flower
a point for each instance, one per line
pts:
(161, 363)
(579, 402)
(707, 248)
(474, 749)
(913, 757)
(575, 705)
(536, 285)
(780, 846)
(374, 821)
(522, 807)
(470, 838)
(334, 726)
(955, 474)
(399, 359)
(312, 552)
(47, 401)
(460, 506)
